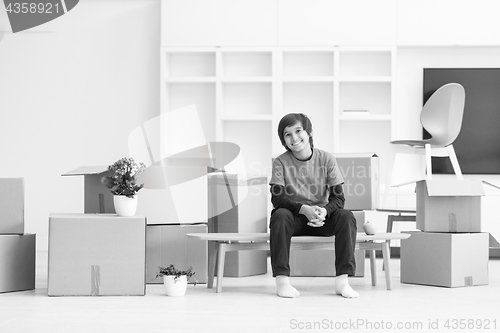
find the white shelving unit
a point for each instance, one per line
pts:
(242, 93)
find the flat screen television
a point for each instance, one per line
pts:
(478, 144)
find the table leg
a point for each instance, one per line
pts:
(212, 261)
(373, 267)
(221, 257)
(386, 256)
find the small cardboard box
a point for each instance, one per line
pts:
(96, 255)
(449, 205)
(17, 262)
(238, 203)
(445, 259)
(322, 262)
(361, 180)
(12, 206)
(168, 244)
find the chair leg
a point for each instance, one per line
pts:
(454, 161)
(221, 257)
(428, 159)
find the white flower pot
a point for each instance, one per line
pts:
(173, 286)
(125, 206)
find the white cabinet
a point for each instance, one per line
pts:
(242, 93)
(218, 22)
(336, 22)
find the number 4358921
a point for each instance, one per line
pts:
(32, 8)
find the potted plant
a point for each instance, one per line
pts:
(123, 184)
(175, 280)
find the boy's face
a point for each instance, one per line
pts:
(296, 138)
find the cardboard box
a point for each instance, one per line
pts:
(361, 180)
(449, 205)
(96, 255)
(17, 262)
(168, 244)
(322, 262)
(160, 203)
(12, 206)
(238, 203)
(445, 259)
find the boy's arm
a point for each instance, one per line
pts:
(279, 199)
(336, 199)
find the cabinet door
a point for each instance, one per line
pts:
(218, 22)
(337, 22)
(448, 22)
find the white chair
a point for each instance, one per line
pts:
(441, 117)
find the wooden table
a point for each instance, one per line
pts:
(225, 242)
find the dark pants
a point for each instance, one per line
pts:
(284, 225)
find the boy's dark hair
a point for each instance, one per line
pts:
(292, 119)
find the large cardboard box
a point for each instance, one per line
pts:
(96, 255)
(449, 205)
(17, 262)
(361, 180)
(168, 244)
(12, 206)
(238, 203)
(322, 262)
(445, 259)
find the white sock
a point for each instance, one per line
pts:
(284, 288)
(343, 288)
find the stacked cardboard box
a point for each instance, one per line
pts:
(238, 203)
(17, 249)
(450, 250)
(361, 190)
(169, 216)
(96, 255)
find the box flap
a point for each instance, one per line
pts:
(454, 187)
(86, 170)
(224, 178)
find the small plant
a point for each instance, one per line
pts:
(123, 177)
(176, 273)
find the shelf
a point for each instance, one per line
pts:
(188, 64)
(237, 64)
(246, 117)
(374, 79)
(365, 63)
(198, 79)
(368, 117)
(246, 98)
(374, 97)
(308, 63)
(247, 79)
(304, 79)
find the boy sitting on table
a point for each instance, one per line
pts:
(307, 198)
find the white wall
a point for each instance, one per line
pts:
(71, 91)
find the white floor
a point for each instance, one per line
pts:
(249, 304)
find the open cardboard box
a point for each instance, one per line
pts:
(162, 203)
(449, 204)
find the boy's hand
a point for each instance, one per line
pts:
(315, 215)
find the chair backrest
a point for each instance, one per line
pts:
(442, 114)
